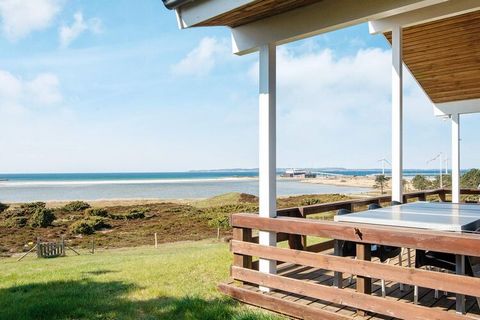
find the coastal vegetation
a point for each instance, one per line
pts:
(469, 180)
(381, 182)
(76, 206)
(174, 281)
(125, 225)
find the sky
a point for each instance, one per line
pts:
(114, 86)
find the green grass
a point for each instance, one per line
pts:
(175, 281)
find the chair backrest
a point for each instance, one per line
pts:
(373, 206)
(341, 212)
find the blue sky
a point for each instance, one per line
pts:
(115, 86)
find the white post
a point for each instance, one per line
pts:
(455, 158)
(267, 150)
(441, 169)
(397, 115)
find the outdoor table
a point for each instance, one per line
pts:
(441, 216)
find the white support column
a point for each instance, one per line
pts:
(397, 115)
(267, 150)
(455, 158)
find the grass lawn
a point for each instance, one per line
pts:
(175, 281)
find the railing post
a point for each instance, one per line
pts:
(240, 260)
(422, 197)
(296, 241)
(442, 195)
(364, 284)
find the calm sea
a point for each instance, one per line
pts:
(160, 185)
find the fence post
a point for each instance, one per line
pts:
(156, 241)
(63, 246)
(242, 234)
(39, 249)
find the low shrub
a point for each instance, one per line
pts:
(98, 223)
(310, 201)
(16, 222)
(42, 217)
(81, 227)
(76, 206)
(30, 208)
(133, 214)
(3, 207)
(96, 212)
(89, 225)
(13, 212)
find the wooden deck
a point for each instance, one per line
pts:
(299, 306)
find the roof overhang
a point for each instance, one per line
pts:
(438, 11)
(456, 107)
(318, 18)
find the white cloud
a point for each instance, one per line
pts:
(69, 33)
(202, 59)
(44, 89)
(18, 95)
(338, 107)
(21, 17)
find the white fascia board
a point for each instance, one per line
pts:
(442, 10)
(321, 17)
(197, 12)
(456, 107)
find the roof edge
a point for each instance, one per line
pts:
(174, 4)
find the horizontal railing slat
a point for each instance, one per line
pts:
(449, 242)
(322, 246)
(346, 204)
(429, 279)
(344, 297)
(279, 305)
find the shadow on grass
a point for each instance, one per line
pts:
(87, 299)
(99, 272)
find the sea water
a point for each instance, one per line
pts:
(165, 185)
(157, 185)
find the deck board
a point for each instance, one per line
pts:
(324, 277)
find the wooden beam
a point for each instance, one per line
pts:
(449, 242)
(423, 278)
(279, 305)
(344, 297)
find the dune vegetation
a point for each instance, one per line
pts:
(119, 226)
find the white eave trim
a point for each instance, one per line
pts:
(321, 17)
(438, 11)
(456, 107)
(204, 10)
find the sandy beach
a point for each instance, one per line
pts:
(345, 181)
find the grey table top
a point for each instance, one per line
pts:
(424, 215)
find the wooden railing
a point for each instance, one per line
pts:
(291, 225)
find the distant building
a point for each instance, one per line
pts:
(298, 173)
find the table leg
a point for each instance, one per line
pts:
(460, 270)
(338, 276)
(364, 284)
